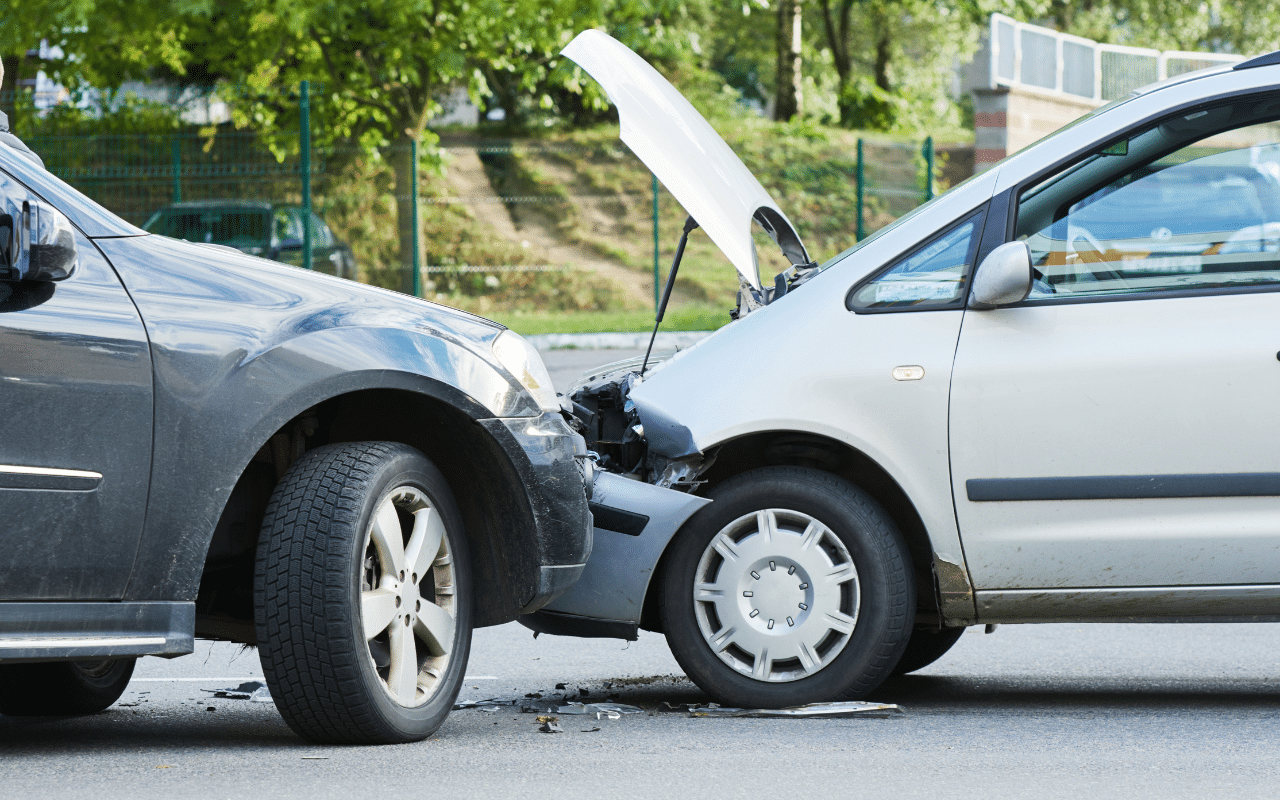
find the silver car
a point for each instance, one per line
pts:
(1046, 396)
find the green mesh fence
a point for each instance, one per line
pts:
(504, 224)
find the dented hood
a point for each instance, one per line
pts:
(688, 156)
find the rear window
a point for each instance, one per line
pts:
(234, 227)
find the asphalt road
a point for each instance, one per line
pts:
(1103, 711)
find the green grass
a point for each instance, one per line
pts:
(692, 318)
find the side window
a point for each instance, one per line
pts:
(1170, 208)
(288, 226)
(320, 234)
(931, 277)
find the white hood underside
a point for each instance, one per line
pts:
(686, 154)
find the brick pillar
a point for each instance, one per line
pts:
(991, 127)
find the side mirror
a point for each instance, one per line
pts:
(36, 242)
(1003, 277)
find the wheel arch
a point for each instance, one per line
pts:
(807, 449)
(432, 417)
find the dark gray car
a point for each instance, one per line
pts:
(258, 228)
(203, 443)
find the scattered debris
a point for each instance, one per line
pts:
(582, 691)
(601, 710)
(211, 708)
(560, 686)
(844, 710)
(315, 758)
(253, 691)
(491, 704)
(534, 695)
(590, 730)
(549, 725)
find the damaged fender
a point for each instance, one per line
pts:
(634, 522)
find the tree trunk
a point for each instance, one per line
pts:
(882, 57)
(837, 28)
(787, 84)
(12, 65)
(400, 156)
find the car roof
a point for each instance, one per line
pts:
(193, 205)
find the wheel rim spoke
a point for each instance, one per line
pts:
(388, 538)
(424, 542)
(403, 677)
(377, 610)
(434, 627)
(776, 595)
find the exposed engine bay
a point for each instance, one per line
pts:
(606, 416)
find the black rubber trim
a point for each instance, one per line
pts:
(55, 483)
(556, 623)
(1124, 487)
(617, 520)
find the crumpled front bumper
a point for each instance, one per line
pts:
(552, 462)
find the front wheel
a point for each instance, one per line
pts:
(363, 595)
(792, 587)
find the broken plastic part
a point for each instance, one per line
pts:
(601, 710)
(253, 691)
(844, 710)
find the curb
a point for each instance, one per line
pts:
(666, 340)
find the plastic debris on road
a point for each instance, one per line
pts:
(601, 710)
(253, 691)
(846, 710)
(549, 725)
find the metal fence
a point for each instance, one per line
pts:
(493, 215)
(1023, 55)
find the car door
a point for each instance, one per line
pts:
(1117, 428)
(75, 386)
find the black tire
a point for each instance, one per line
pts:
(320, 562)
(926, 646)
(852, 529)
(63, 688)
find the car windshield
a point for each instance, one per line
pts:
(230, 226)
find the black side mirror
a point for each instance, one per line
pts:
(36, 243)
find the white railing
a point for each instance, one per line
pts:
(1029, 56)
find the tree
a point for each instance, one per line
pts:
(23, 27)
(380, 70)
(894, 58)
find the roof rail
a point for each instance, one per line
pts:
(1260, 61)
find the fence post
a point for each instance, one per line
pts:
(417, 247)
(655, 244)
(927, 152)
(861, 178)
(177, 168)
(305, 109)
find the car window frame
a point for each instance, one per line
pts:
(982, 216)
(1012, 196)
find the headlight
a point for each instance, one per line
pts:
(521, 360)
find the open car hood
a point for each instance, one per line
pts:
(687, 155)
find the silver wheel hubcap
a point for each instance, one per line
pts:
(407, 602)
(776, 595)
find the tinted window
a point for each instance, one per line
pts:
(931, 277)
(234, 227)
(1202, 215)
